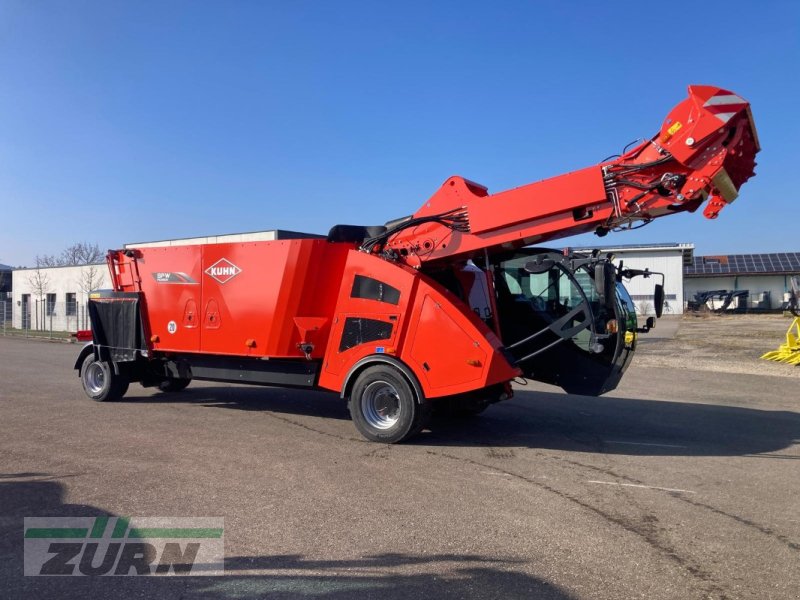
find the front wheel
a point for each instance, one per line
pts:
(383, 406)
(100, 382)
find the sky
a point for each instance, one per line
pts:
(143, 120)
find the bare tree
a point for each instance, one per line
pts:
(90, 279)
(82, 253)
(40, 285)
(47, 260)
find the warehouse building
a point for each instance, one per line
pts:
(5, 295)
(766, 277)
(669, 259)
(54, 298)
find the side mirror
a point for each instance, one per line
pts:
(659, 300)
(541, 265)
(649, 324)
(605, 281)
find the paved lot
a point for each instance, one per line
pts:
(681, 484)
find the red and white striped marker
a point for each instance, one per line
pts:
(724, 105)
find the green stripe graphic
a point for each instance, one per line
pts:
(175, 532)
(55, 532)
(99, 527)
(120, 528)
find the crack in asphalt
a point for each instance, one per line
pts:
(600, 446)
(645, 531)
(677, 495)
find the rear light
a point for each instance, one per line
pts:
(84, 335)
(612, 326)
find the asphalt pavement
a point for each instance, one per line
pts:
(680, 484)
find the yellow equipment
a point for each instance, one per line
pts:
(790, 351)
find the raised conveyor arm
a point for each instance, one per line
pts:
(704, 152)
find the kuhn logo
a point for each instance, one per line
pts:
(223, 270)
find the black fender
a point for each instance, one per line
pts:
(85, 351)
(377, 359)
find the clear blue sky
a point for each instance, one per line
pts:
(130, 121)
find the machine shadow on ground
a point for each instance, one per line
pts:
(625, 426)
(276, 576)
(547, 420)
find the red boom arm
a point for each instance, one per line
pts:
(705, 151)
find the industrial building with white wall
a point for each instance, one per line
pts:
(54, 298)
(767, 277)
(669, 259)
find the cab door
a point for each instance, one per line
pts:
(555, 325)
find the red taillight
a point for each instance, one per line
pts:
(85, 335)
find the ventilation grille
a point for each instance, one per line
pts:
(360, 331)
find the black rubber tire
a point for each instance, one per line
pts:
(174, 385)
(100, 382)
(410, 415)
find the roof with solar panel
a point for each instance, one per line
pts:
(777, 263)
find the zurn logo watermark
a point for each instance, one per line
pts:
(122, 546)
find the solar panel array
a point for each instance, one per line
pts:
(740, 264)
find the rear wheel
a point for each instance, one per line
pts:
(383, 406)
(100, 382)
(173, 385)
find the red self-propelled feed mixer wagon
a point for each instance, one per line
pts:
(445, 307)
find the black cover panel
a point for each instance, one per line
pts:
(372, 289)
(289, 373)
(360, 331)
(354, 233)
(117, 326)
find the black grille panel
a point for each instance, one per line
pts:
(359, 331)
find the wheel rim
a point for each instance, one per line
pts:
(380, 405)
(94, 378)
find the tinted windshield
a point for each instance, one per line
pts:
(552, 294)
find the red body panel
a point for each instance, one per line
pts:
(266, 299)
(240, 298)
(447, 347)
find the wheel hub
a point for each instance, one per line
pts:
(94, 378)
(380, 405)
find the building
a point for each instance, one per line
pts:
(228, 238)
(54, 298)
(5, 295)
(669, 259)
(767, 277)
(5, 280)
